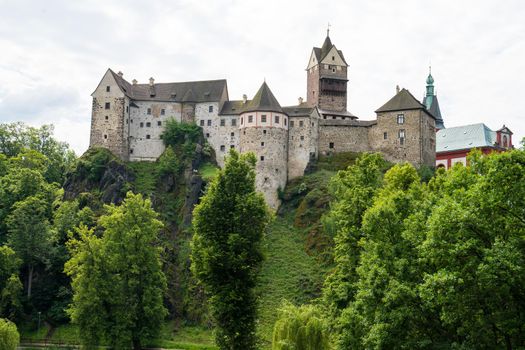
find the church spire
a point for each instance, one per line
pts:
(430, 83)
(431, 102)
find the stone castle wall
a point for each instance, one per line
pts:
(303, 138)
(342, 136)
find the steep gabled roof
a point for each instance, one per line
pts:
(321, 52)
(465, 137)
(402, 101)
(190, 91)
(234, 107)
(264, 100)
(434, 110)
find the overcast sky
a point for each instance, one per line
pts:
(54, 53)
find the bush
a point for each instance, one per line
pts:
(9, 337)
(300, 328)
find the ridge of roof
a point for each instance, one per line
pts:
(402, 101)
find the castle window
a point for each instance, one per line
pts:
(262, 144)
(234, 122)
(131, 121)
(149, 111)
(262, 157)
(207, 135)
(250, 119)
(385, 135)
(223, 148)
(127, 109)
(107, 105)
(105, 136)
(159, 123)
(223, 122)
(148, 137)
(276, 119)
(264, 132)
(148, 125)
(333, 58)
(209, 122)
(302, 138)
(202, 122)
(285, 121)
(131, 151)
(106, 117)
(505, 141)
(108, 88)
(263, 118)
(331, 145)
(333, 70)
(163, 112)
(291, 123)
(232, 134)
(242, 120)
(141, 124)
(210, 109)
(402, 133)
(401, 119)
(301, 123)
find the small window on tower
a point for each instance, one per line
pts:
(107, 105)
(202, 122)
(159, 123)
(131, 151)
(207, 135)
(291, 123)
(401, 119)
(106, 117)
(263, 118)
(250, 119)
(385, 135)
(242, 120)
(149, 111)
(148, 125)
(105, 136)
(209, 122)
(148, 137)
(223, 122)
(333, 58)
(262, 144)
(223, 148)
(301, 123)
(141, 124)
(108, 88)
(210, 109)
(331, 145)
(163, 112)
(232, 134)
(262, 157)
(276, 119)
(264, 132)
(285, 121)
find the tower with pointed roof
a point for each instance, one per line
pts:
(327, 80)
(264, 131)
(431, 101)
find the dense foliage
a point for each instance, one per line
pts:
(229, 224)
(430, 265)
(117, 279)
(9, 337)
(300, 328)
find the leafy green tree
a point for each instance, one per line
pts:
(226, 249)
(300, 328)
(29, 234)
(117, 279)
(10, 285)
(9, 337)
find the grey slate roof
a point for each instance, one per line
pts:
(402, 101)
(264, 100)
(234, 107)
(190, 91)
(347, 122)
(298, 111)
(465, 137)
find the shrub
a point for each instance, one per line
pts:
(9, 337)
(300, 328)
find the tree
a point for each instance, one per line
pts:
(226, 249)
(9, 337)
(10, 285)
(117, 279)
(300, 328)
(29, 234)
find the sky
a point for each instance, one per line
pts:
(53, 53)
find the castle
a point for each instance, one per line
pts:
(128, 119)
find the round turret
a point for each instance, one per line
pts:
(263, 130)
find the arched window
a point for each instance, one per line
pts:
(505, 141)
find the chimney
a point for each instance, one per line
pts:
(120, 74)
(151, 81)
(397, 89)
(134, 81)
(300, 100)
(244, 98)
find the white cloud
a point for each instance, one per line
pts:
(55, 52)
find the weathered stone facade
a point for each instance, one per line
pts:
(284, 139)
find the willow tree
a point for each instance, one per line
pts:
(226, 256)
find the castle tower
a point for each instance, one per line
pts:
(431, 101)
(327, 78)
(264, 131)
